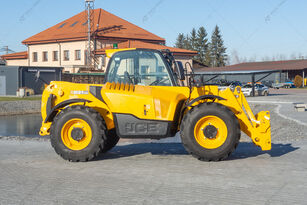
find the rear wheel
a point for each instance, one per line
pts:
(210, 132)
(78, 133)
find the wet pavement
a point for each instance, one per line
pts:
(20, 125)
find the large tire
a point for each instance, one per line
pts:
(78, 133)
(111, 141)
(210, 132)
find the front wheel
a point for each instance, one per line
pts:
(210, 132)
(111, 140)
(78, 133)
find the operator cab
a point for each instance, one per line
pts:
(141, 67)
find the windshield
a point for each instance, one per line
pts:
(139, 67)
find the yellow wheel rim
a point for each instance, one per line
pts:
(66, 134)
(215, 140)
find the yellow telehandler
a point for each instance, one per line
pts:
(144, 97)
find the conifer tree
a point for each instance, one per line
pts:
(212, 54)
(201, 44)
(187, 42)
(193, 39)
(218, 50)
(208, 58)
(180, 41)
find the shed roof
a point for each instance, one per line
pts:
(14, 56)
(266, 65)
(106, 26)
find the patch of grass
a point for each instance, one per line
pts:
(19, 98)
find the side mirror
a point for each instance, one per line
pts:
(180, 70)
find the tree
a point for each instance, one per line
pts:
(180, 41)
(187, 44)
(193, 40)
(298, 81)
(208, 58)
(218, 50)
(201, 44)
(209, 53)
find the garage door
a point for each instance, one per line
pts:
(2, 85)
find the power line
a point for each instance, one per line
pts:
(274, 10)
(6, 50)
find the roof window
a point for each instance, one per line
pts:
(62, 25)
(72, 25)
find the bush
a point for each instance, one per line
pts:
(298, 81)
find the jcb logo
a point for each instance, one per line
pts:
(142, 128)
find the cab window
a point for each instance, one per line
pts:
(139, 67)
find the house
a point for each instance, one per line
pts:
(65, 44)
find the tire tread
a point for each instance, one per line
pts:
(84, 156)
(192, 114)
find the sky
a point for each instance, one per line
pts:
(254, 29)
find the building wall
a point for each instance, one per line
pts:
(17, 62)
(27, 77)
(9, 80)
(71, 65)
(184, 60)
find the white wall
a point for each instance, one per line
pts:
(71, 65)
(17, 62)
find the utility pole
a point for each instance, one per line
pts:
(6, 50)
(89, 5)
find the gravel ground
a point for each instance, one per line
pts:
(282, 129)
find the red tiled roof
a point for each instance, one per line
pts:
(266, 65)
(141, 44)
(13, 56)
(108, 26)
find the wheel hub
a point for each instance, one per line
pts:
(77, 134)
(210, 132)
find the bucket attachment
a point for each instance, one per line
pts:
(258, 127)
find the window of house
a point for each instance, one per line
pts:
(55, 55)
(34, 56)
(45, 56)
(66, 55)
(77, 54)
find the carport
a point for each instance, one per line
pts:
(287, 69)
(255, 76)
